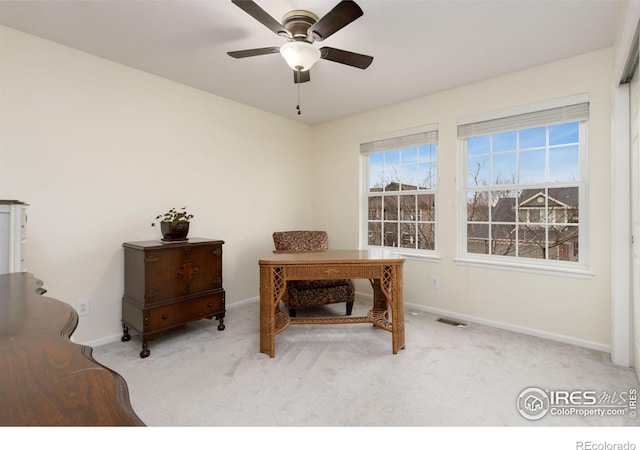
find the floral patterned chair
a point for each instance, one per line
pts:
(317, 292)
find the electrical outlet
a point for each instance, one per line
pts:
(83, 307)
(435, 281)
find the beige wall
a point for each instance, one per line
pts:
(572, 309)
(99, 149)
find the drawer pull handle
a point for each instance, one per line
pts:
(164, 316)
(209, 305)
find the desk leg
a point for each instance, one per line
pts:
(387, 292)
(267, 312)
(397, 308)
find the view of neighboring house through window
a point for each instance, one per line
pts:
(401, 190)
(524, 186)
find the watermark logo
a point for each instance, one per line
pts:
(590, 445)
(535, 403)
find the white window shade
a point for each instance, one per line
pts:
(577, 112)
(426, 137)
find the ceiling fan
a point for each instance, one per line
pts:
(301, 29)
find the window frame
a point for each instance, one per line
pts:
(366, 194)
(566, 268)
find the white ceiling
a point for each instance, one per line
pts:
(420, 47)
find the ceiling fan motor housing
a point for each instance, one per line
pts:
(297, 22)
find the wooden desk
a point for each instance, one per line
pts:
(382, 269)
(45, 379)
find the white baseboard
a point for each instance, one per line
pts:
(101, 341)
(515, 328)
(117, 337)
(504, 326)
(636, 358)
(239, 303)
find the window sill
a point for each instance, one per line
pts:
(578, 271)
(418, 256)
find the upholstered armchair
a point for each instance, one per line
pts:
(303, 293)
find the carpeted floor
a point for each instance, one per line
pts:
(347, 376)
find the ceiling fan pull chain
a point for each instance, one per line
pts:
(298, 72)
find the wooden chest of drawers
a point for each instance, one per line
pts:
(169, 284)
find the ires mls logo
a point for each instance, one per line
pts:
(534, 403)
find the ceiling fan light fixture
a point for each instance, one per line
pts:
(300, 55)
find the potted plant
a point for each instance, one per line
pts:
(174, 224)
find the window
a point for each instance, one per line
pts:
(400, 198)
(524, 187)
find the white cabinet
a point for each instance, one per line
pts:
(13, 235)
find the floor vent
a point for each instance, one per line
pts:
(452, 322)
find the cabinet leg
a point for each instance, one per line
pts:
(126, 337)
(221, 326)
(145, 350)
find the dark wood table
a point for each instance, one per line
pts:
(383, 269)
(45, 379)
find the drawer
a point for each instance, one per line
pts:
(178, 313)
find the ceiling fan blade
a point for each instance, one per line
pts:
(339, 17)
(262, 16)
(345, 57)
(254, 52)
(301, 77)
